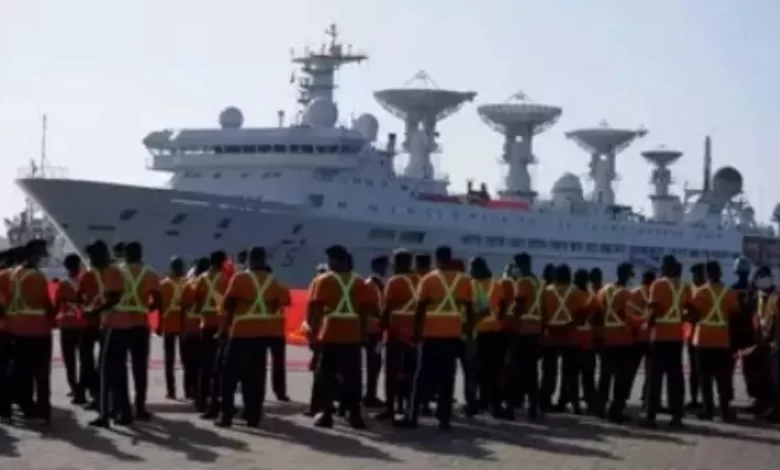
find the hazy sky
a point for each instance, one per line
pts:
(108, 72)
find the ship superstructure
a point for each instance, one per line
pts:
(297, 187)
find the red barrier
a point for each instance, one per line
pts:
(295, 315)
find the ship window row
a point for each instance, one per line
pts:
(405, 237)
(264, 148)
(530, 221)
(595, 248)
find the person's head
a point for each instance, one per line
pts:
(98, 253)
(350, 261)
(713, 272)
(668, 265)
(379, 265)
(443, 256)
(176, 267)
(697, 274)
(596, 277)
(648, 277)
(217, 260)
(548, 273)
(742, 268)
(677, 270)
(35, 251)
(118, 251)
(563, 274)
(241, 257)
(523, 262)
(762, 278)
(133, 252)
(422, 263)
(202, 265)
(581, 278)
(256, 258)
(338, 259)
(625, 272)
(402, 262)
(478, 268)
(72, 264)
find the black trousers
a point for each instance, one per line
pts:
(32, 355)
(568, 356)
(715, 366)
(334, 359)
(113, 394)
(615, 378)
(490, 367)
(640, 353)
(278, 349)
(78, 353)
(666, 362)
(400, 363)
(523, 372)
(586, 377)
(170, 341)
(209, 348)
(435, 375)
(244, 360)
(190, 360)
(139, 360)
(693, 372)
(373, 364)
(468, 357)
(6, 351)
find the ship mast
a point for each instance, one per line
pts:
(319, 67)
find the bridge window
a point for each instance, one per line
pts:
(592, 247)
(217, 175)
(178, 218)
(471, 239)
(280, 148)
(559, 246)
(249, 149)
(307, 148)
(517, 242)
(494, 241)
(127, 214)
(381, 234)
(224, 223)
(412, 237)
(536, 243)
(577, 246)
(264, 148)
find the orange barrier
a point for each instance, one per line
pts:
(295, 315)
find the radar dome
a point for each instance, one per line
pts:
(568, 182)
(368, 126)
(321, 112)
(727, 181)
(231, 118)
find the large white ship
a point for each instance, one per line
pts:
(299, 187)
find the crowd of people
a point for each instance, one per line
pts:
(564, 341)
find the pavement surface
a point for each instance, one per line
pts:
(176, 438)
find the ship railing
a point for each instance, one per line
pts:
(45, 172)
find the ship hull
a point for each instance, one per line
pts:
(176, 223)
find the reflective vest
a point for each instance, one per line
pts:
(562, 315)
(611, 318)
(714, 317)
(258, 312)
(213, 297)
(448, 306)
(373, 320)
(345, 307)
(586, 326)
(533, 313)
(674, 314)
(402, 318)
(69, 315)
(174, 306)
(131, 300)
(641, 311)
(445, 318)
(18, 306)
(24, 320)
(408, 307)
